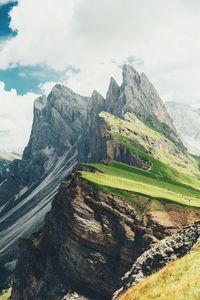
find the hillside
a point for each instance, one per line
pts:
(167, 172)
(178, 280)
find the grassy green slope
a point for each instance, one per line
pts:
(166, 159)
(5, 295)
(121, 177)
(179, 280)
(173, 176)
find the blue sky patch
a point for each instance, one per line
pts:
(28, 79)
(25, 78)
(5, 31)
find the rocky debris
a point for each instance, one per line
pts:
(77, 296)
(159, 255)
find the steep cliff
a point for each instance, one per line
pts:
(90, 239)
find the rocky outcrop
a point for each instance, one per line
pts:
(138, 95)
(159, 255)
(90, 239)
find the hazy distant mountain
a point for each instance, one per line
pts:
(187, 122)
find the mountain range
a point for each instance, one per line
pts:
(187, 122)
(101, 182)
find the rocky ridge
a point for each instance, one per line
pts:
(67, 129)
(159, 255)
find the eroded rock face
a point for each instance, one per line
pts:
(89, 241)
(138, 95)
(159, 255)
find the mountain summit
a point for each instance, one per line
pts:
(66, 130)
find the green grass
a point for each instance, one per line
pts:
(120, 178)
(149, 145)
(173, 176)
(160, 169)
(179, 280)
(5, 295)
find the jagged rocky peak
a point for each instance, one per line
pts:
(96, 100)
(138, 95)
(58, 125)
(40, 103)
(130, 76)
(60, 91)
(112, 97)
(141, 96)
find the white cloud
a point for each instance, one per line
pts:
(4, 1)
(47, 87)
(98, 36)
(91, 34)
(88, 34)
(15, 118)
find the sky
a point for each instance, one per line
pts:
(82, 43)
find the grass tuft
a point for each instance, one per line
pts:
(179, 280)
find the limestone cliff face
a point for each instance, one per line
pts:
(90, 239)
